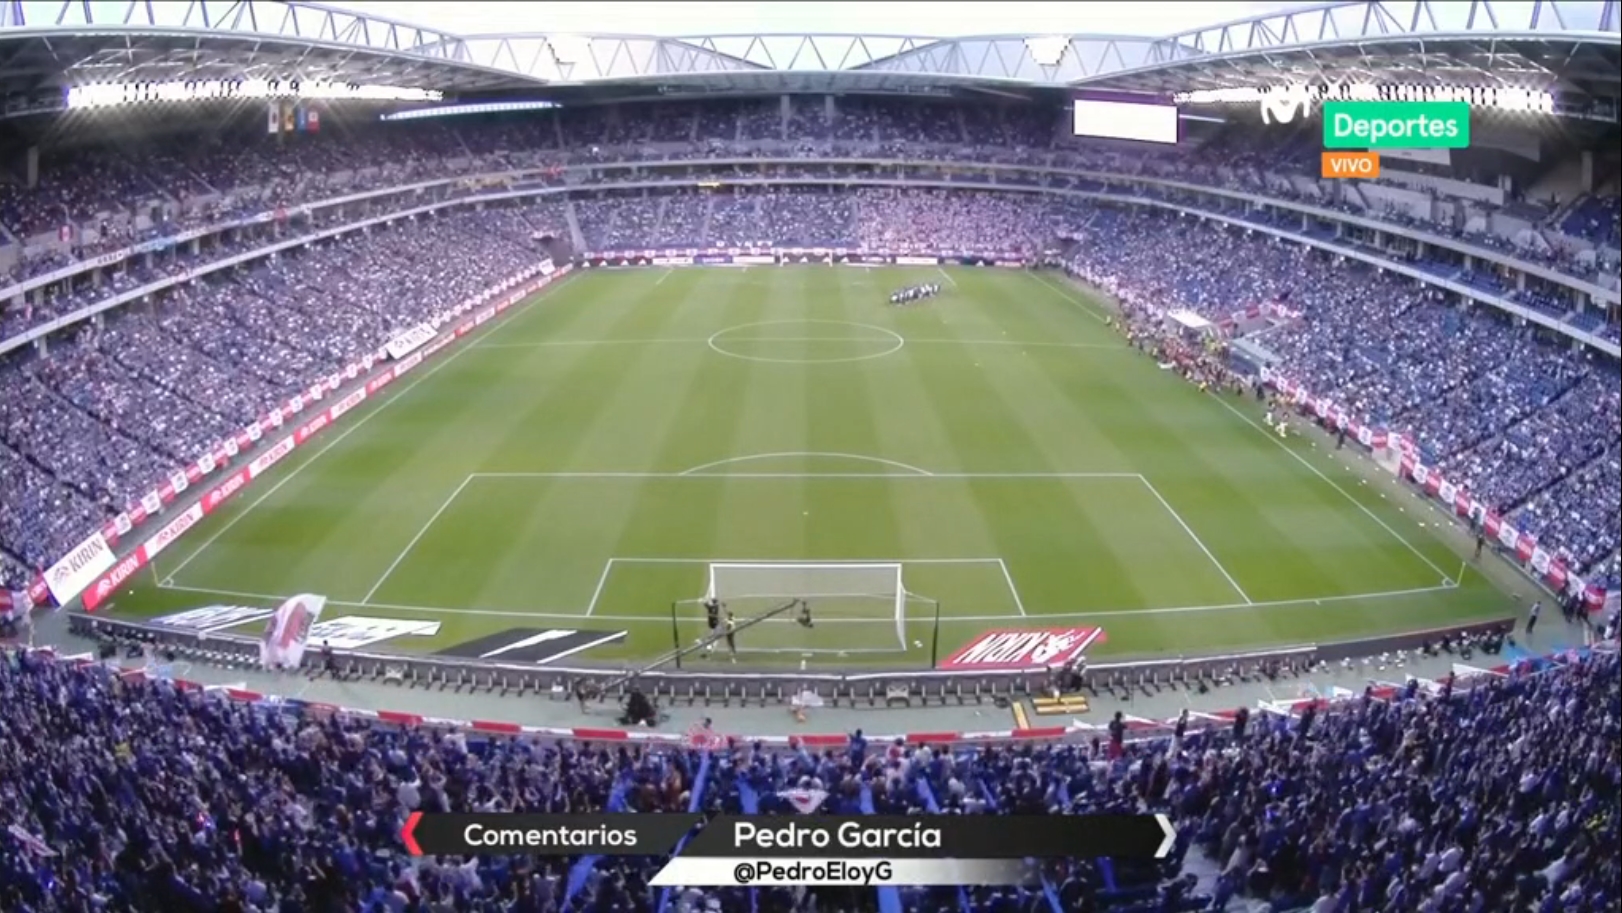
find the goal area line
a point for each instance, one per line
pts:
(1000, 565)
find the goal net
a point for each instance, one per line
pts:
(852, 607)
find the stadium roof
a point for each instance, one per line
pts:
(1549, 44)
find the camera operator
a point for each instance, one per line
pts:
(639, 710)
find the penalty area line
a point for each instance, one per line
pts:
(444, 506)
(577, 616)
(1333, 484)
(1197, 541)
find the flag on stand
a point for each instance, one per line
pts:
(805, 801)
(275, 122)
(29, 842)
(288, 631)
(701, 737)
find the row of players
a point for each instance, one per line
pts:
(915, 293)
(723, 625)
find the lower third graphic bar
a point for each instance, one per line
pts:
(721, 872)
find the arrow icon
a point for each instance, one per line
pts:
(408, 834)
(1165, 845)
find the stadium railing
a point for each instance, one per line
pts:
(1136, 727)
(764, 685)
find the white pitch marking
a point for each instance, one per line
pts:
(900, 343)
(1332, 484)
(673, 340)
(1040, 616)
(824, 651)
(1085, 307)
(395, 607)
(793, 563)
(663, 277)
(690, 474)
(855, 457)
(947, 276)
(1197, 541)
(356, 426)
(602, 581)
(559, 343)
(1013, 590)
(414, 540)
(1041, 344)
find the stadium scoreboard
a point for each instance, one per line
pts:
(1128, 116)
(763, 850)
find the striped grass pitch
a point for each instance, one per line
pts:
(581, 461)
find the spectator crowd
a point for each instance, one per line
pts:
(127, 794)
(112, 408)
(1527, 423)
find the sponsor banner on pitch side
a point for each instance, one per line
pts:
(532, 646)
(214, 617)
(409, 341)
(80, 568)
(1015, 649)
(352, 632)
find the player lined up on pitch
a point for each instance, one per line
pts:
(915, 293)
(723, 625)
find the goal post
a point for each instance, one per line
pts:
(843, 588)
(845, 607)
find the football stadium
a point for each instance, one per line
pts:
(1213, 422)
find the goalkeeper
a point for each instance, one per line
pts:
(712, 616)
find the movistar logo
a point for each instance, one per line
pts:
(1283, 105)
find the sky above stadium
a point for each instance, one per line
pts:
(936, 19)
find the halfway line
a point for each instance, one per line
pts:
(560, 343)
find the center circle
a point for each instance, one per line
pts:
(736, 342)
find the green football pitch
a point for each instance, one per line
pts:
(998, 457)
